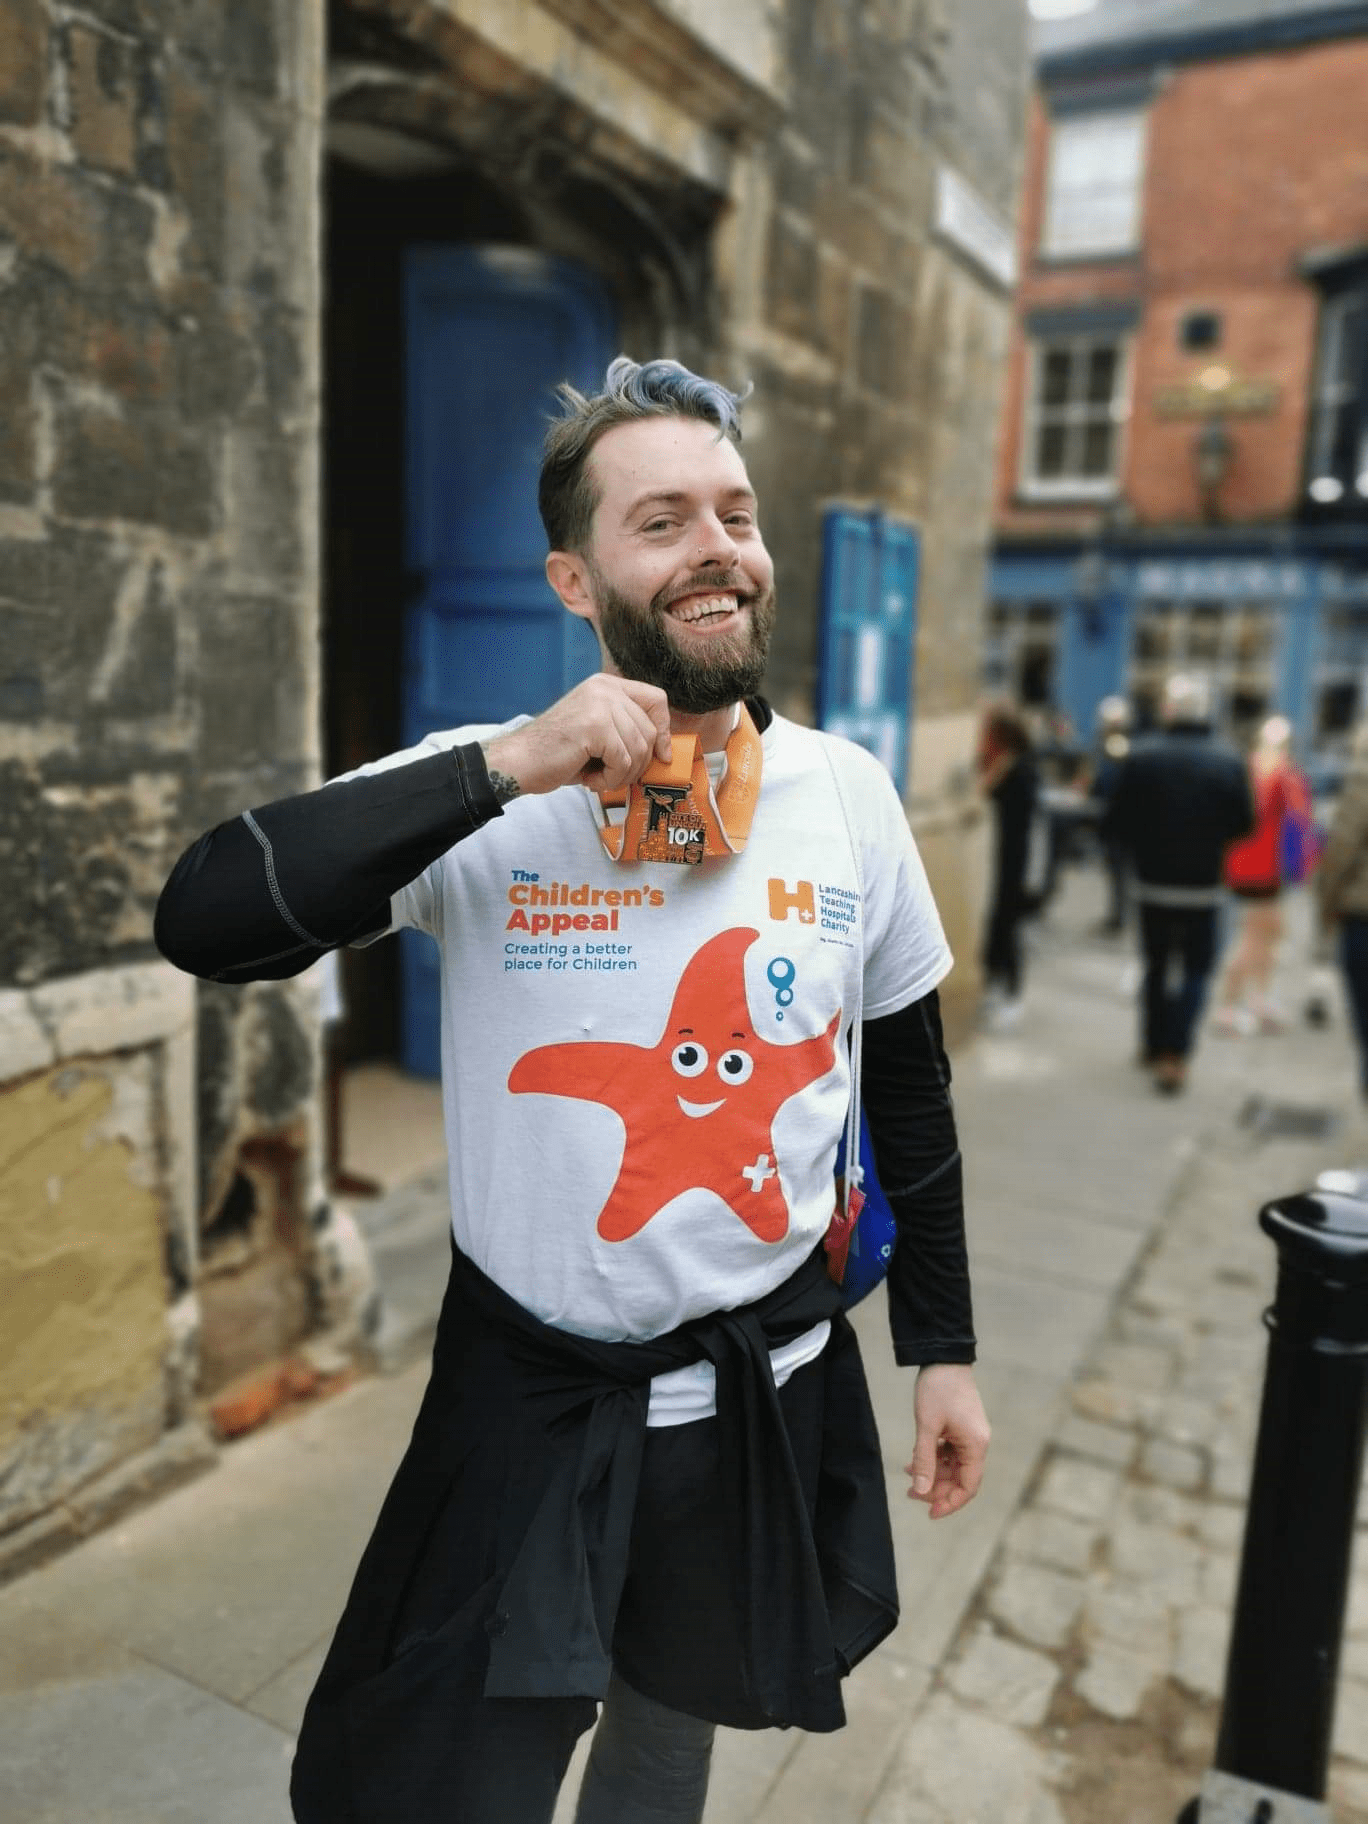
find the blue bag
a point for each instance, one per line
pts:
(872, 1238)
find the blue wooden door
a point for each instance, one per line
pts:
(489, 332)
(869, 618)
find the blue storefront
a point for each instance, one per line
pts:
(1277, 621)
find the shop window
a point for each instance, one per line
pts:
(1340, 692)
(1231, 644)
(1337, 443)
(1092, 203)
(1074, 418)
(1021, 660)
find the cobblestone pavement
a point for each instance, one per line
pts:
(1083, 1686)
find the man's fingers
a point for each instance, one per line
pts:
(628, 745)
(652, 702)
(922, 1468)
(619, 764)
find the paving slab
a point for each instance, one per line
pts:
(93, 1734)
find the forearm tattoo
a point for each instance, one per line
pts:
(504, 786)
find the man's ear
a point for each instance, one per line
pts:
(568, 575)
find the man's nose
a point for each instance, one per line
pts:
(716, 544)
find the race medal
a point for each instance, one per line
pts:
(672, 812)
(675, 829)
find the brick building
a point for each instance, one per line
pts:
(282, 288)
(1183, 466)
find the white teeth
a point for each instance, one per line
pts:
(697, 608)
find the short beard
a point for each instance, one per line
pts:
(640, 645)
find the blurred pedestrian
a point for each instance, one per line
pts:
(1182, 797)
(1008, 779)
(1113, 744)
(1060, 805)
(1342, 889)
(1254, 872)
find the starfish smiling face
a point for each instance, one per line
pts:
(698, 1107)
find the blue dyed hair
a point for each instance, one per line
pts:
(566, 494)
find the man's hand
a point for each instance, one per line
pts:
(952, 1438)
(604, 733)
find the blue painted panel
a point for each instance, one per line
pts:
(489, 333)
(870, 573)
(1300, 652)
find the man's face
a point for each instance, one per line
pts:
(682, 585)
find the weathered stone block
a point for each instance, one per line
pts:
(134, 464)
(1129, 1616)
(82, 1289)
(791, 279)
(1101, 1443)
(23, 64)
(1176, 1465)
(884, 334)
(1039, 1605)
(1115, 1681)
(89, 861)
(986, 1768)
(1054, 1539)
(102, 89)
(1087, 1491)
(196, 166)
(1012, 1683)
(252, 703)
(219, 362)
(20, 345)
(87, 230)
(1165, 1561)
(1200, 1659)
(23, 939)
(261, 476)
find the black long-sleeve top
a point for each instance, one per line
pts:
(265, 895)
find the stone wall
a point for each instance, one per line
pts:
(158, 507)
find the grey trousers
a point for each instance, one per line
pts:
(647, 1764)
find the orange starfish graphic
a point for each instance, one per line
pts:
(699, 1106)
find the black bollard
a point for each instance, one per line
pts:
(1273, 1747)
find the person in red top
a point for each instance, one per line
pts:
(1254, 874)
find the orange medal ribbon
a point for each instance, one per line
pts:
(673, 813)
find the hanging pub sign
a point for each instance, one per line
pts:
(1218, 389)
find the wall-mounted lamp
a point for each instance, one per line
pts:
(1213, 451)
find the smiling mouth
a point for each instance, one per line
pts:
(703, 610)
(699, 1108)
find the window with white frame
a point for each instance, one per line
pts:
(1021, 653)
(1093, 191)
(1337, 448)
(1231, 644)
(1073, 423)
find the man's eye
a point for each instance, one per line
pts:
(657, 525)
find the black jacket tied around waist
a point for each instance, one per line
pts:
(497, 1562)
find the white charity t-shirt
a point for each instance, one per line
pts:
(644, 1065)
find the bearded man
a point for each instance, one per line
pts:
(644, 1483)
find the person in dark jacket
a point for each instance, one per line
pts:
(645, 1474)
(1008, 779)
(1182, 797)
